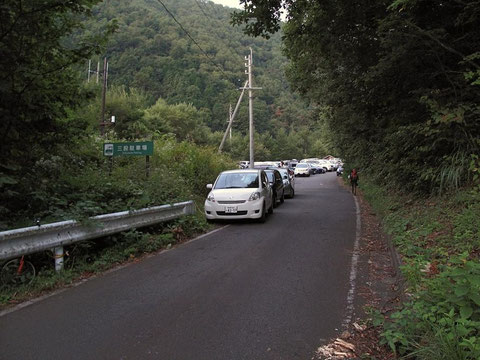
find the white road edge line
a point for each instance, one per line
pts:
(353, 269)
(116, 268)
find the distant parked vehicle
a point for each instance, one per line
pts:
(339, 170)
(288, 183)
(264, 164)
(291, 166)
(276, 182)
(239, 194)
(243, 164)
(326, 164)
(303, 169)
(316, 167)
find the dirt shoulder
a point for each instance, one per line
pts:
(378, 287)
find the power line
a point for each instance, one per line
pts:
(210, 17)
(201, 9)
(191, 38)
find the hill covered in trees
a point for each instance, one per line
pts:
(151, 51)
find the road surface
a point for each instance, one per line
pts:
(247, 291)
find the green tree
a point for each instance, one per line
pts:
(39, 87)
(37, 81)
(128, 107)
(183, 121)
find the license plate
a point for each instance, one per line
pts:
(231, 209)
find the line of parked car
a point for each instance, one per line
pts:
(249, 193)
(253, 193)
(311, 166)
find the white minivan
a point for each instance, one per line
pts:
(239, 194)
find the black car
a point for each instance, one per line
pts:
(317, 168)
(276, 182)
(288, 183)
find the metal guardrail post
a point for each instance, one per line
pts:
(58, 251)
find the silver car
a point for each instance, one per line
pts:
(303, 169)
(239, 194)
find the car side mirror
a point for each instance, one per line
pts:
(209, 186)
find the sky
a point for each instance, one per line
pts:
(230, 3)
(235, 4)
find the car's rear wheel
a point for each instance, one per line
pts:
(292, 193)
(282, 199)
(270, 210)
(274, 201)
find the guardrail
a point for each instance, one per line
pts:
(24, 241)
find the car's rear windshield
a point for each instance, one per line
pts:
(237, 180)
(283, 172)
(270, 176)
(302, 165)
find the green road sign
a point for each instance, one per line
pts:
(144, 148)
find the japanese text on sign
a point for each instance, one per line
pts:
(144, 148)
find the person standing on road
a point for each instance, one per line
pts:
(354, 181)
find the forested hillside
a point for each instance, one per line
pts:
(151, 52)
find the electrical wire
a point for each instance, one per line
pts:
(201, 9)
(191, 38)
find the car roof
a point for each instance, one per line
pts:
(275, 168)
(239, 171)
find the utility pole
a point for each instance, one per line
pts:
(248, 65)
(98, 70)
(89, 70)
(232, 117)
(104, 93)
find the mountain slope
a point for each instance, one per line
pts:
(150, 51)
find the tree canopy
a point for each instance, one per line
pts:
(398, 80)
(38, 82)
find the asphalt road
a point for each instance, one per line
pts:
(248, 291)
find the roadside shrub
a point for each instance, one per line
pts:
(466, 230)
(438, 238)
(443, 319)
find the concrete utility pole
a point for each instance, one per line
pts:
(250, 104)
(232, 117)
(98, 70)
(104, 93)
(89, 70)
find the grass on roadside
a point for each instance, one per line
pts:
(439, 241)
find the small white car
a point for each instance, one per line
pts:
(239, 194)
(303, 169)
